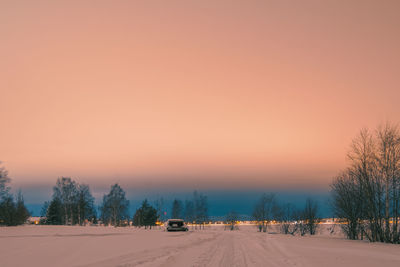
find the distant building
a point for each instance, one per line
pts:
(34, 220)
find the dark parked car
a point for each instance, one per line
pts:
(176, 225)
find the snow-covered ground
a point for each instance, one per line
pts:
(107, 246)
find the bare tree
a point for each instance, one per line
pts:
(75, 201)
(287, 218)
(66, 191)
(85, 204)
(347, 203)
(200, 208)
(7, 205)
(363, 157)
(367, 194)
(300, 222)
(264, 211)
(115, 206)
(311, 216)
(11, 212)
(388, 162)
(4, 181)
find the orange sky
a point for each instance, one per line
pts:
(200, 93)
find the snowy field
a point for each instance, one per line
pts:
(107, 246)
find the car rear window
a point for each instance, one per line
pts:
(175, 224)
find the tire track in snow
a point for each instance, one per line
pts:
(154, 257)
(278, 254)
(214, 248)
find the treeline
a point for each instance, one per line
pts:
(12, 212)
(366, 195)
(290, 219)
(193, 210)
(72, 203)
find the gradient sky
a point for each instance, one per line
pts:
(198, 94)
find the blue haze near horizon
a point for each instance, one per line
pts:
(220, 202)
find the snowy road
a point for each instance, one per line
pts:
(102, 246)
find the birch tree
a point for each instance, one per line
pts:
(115, 206)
